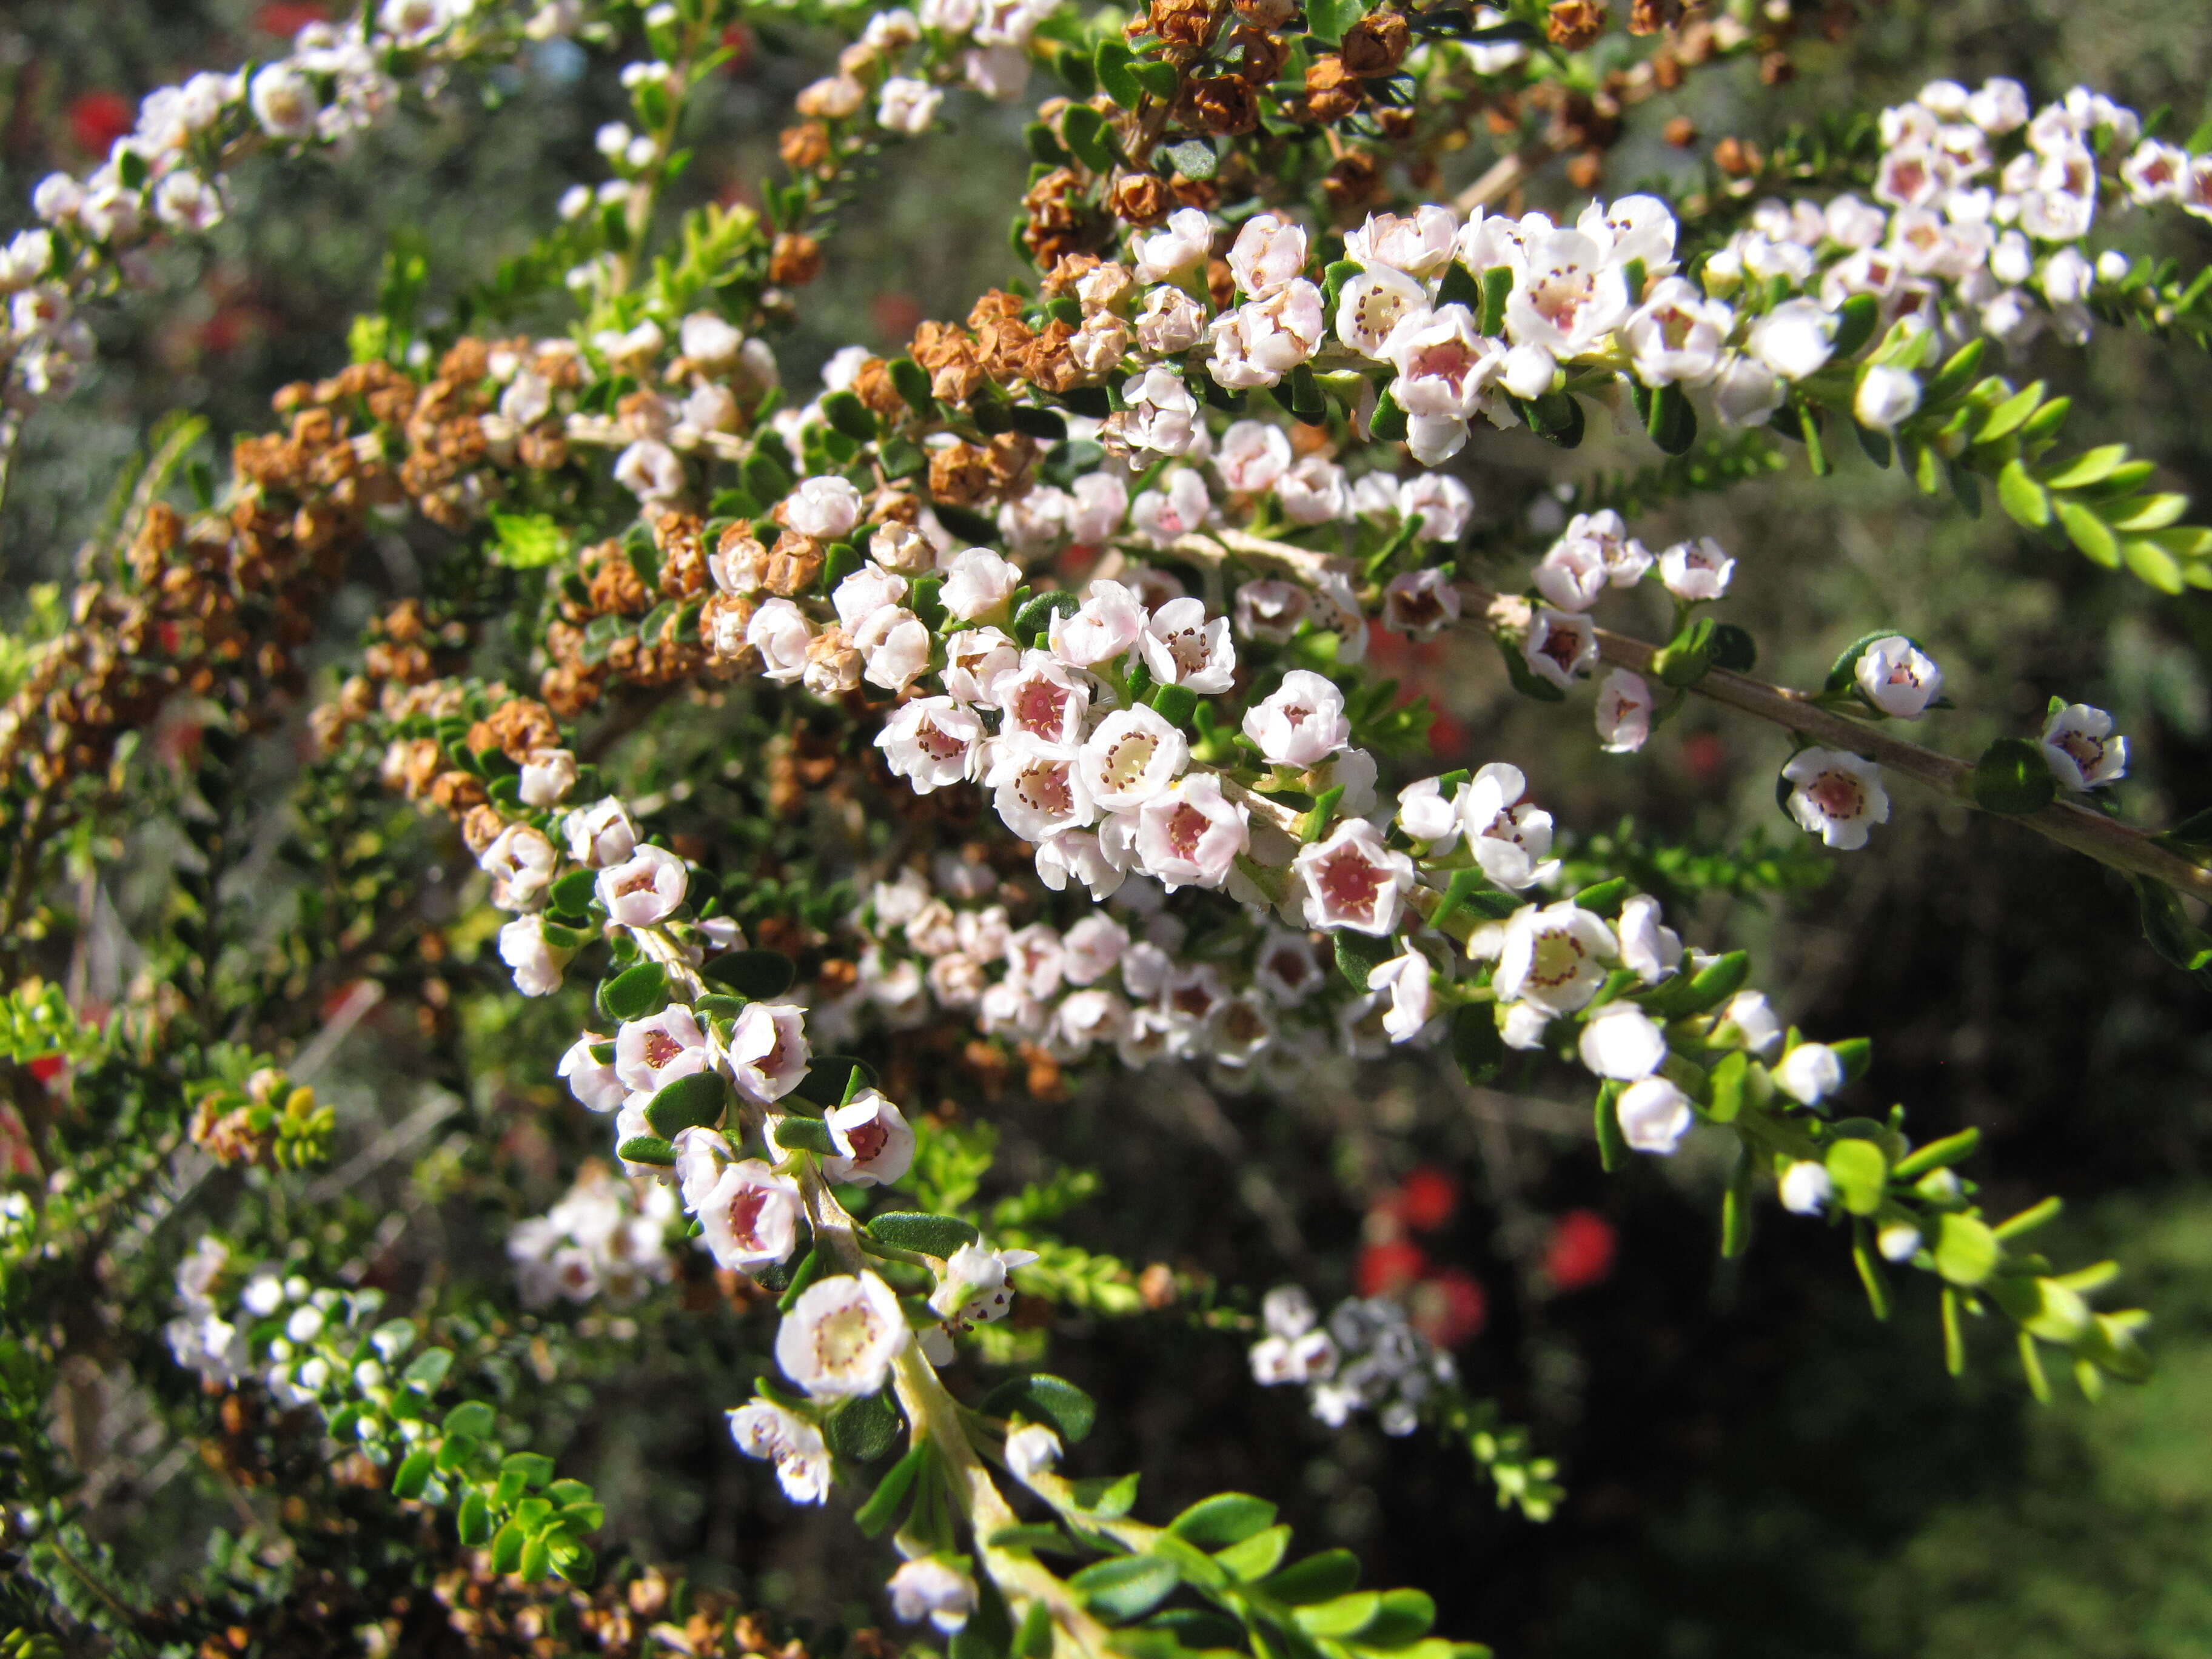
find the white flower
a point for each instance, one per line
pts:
(1509, 835)
(1809, 1074)
(1567, 296)
(1179, 505)
(1182, 647)
(1554, 959)
(1620, 1041)
(928, 1588)
(826, 509)
(1560, 646)
(188, 202)
(524, 947)
(1079, 854)
(906, 105)
(1654, 1115)
(1105, 626)
(521, 863)
(1651, 950)
(1805, 1188)
(650, 470)
(602, 834)
(895, 644)
(841, 1336)
(646, 888)
(1679, 335)
(1572, 573)
(1095, 509)
(1031, 1450)
(1897, 1241)
(1269, 255)
(547, 775)
(1696, 572)
(1406, 978)
(978, 583)
(2079, 747)
(931, 742)
(1754, 1020)
(769, 1051)
(1421, 603)
(1301, 722)
(975, 659)
(1793, 339)
(1044, 704)
(1253, 455)
(1170, 324)
(1259, 343)
(1131, 756)
(284, 102)
(749, 1218)
(592, 1081)
(1745, 392)
(779, 630)
(1282, 1356)
(1178, 245)
(1624, 711)
(765, 1430)
(1897, 678)
(1427, 816)
(1444, 502)
(1188, 835)
(1038, 791)
(1374, 305)
(1352, 880)
(1837, 795)
(1313, 491)
(1162, 415)
(1444, 368)
(1886, 395)
(868, 590)
(875, 1143)
(653, 1052)
(1419, 245)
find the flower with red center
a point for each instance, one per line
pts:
(1043, 703)
(1352, 880)
(1182, 647)
(1580, 1251)
(651, 1053)
(1038, 791)
(1835, 795)
(1624, 712)
(931, 742)
(749, 1218)
(1302, 723)
(1188, 835)
(1569, 297)
(646, 888)
(1374, 305)
(1421, 603)
(1898, 677)
(2079, 747)
(875, 1143)
(1559, 646)
(1106, 625)
(1445, 369)
(768, 1050)
(841, 1336)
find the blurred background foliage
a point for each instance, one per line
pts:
(1754, 1466)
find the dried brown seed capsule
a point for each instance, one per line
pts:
(1573, 24)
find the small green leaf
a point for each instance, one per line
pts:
(536, 1558)
(1127, 1587)
(796, 1134)
(428, 1370)
(414, 1472)
(1113, 62)
(1340, 1616)
(1084, 131)
(1226, 1518)
(2089, 532)
(844, 412)
(932, 1234)
(531, 1469)
(636, 991)
(876, 1514)
(1193, 158)
(1109, 1497)
(1860, 1173)
(864, 1428)
(1042, 1398)
(1157, 76)
(1966, 1251)
(689, 1103)
(1476, 1045)
(1317, 1578)
(2012, 777)
(1937, 1154)
(832, 1079)
(526, 542)
(474, 1522)
(1256, 1556)
(506, 1548)
(2027, 502)
(760, 974)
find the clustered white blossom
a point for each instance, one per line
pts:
(1367, 1357)
(607, 1237)
(165, 176)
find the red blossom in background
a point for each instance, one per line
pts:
(286, 18)
(97, 119)
(1386, 1269)
(1426, 1199)
(1580, 1254)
